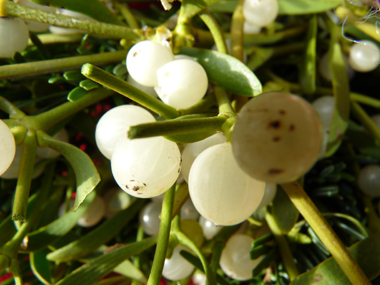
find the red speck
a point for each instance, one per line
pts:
(106, 107)
(73, 195)
(87, 45)
(83, 147)
(64, 173)
(97, 111)
(61, 87)
(26, 258)
(5, 276)
(79, 136)
(96, 162)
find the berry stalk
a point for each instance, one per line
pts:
(326, 234)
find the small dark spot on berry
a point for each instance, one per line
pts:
(144, 184)
(276, 139)
(126, 186)
(259, 110)
(282, 112)
(135, 54)
(274, 171)
(274, 124)
(131, 180)
(292, 127)
(135, 188)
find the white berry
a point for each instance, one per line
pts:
(277, 137)
(14, 34)
(144, 59)
(364, 56)
(115, 124)
(181, 83)
(146, 168)
(369, 180)
(260, 12)
(149, 218)
(209, 228)
(220, 190)
(177, 268)
(325, 108)
(7, 147)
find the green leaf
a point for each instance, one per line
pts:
(76, 94)
(126, 268)
(92, 8)
(301, 7)
(49, 234)
(41, 266)
(284, 212)
(307, 72)
(94, 270)
(341, 90)
(366, 253)
(87, 177)
(98, 236)
(73, 75)
(226, 71)
(190, 137)
(88, 84)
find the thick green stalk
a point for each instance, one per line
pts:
(46, 120)
(176, 127)
(128, 16)
(224, 102)
(28, 155)
(237, 23)
(8, 8)
(59, 65)
(11, 109)
(108, 80)
(215, 30)
(163, 237)
(286, 254)
(325, 233)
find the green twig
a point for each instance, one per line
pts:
(28, 155)
(286, 254)
(163, 237)
(8, 8)
(10, 108)
(224, 102)
(46, 120)
(59, 65)
(176, 127)
(108, 80)
(128, 16)
(237, 24)
(326, 234)
(215, 30)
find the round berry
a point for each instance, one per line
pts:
(177, 268)
(260, 12)
(369, 180)
(7, 147)
(277, 137)
(150, 218)
(364, 56)
(325, 108)
(14, 34)
(144, 59)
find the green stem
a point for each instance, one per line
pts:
(224, 102)
(8, 8)
(184, 240)
(28, 155)
(19, 133)
(163, 237)
(215, 30)
(49, 118)
(10, 108)
(326, 234)
(108, 80)
(366, 121)
(286, 254)
(47, 39)
(360, 98)
(59, 65)
(262, 39)
(181, 195)
(202, 106)
(237, 23)
(176, 127)
(128, 16)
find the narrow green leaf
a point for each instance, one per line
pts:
(264, 263)
(76, 94)
(98, 236)
(94, 270)
(88, 84)
(362, 141)
(190, 137)
(259, 251)
(284, 212)
(92, 8)
(307, 74)
(86, 175)
(43, 50)
(298, 7)
(126, 268)
(366, 253)
(226, 71)
(73, 75)
(49, 234)
(341, 91)
(261, 56)
(41, 266)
